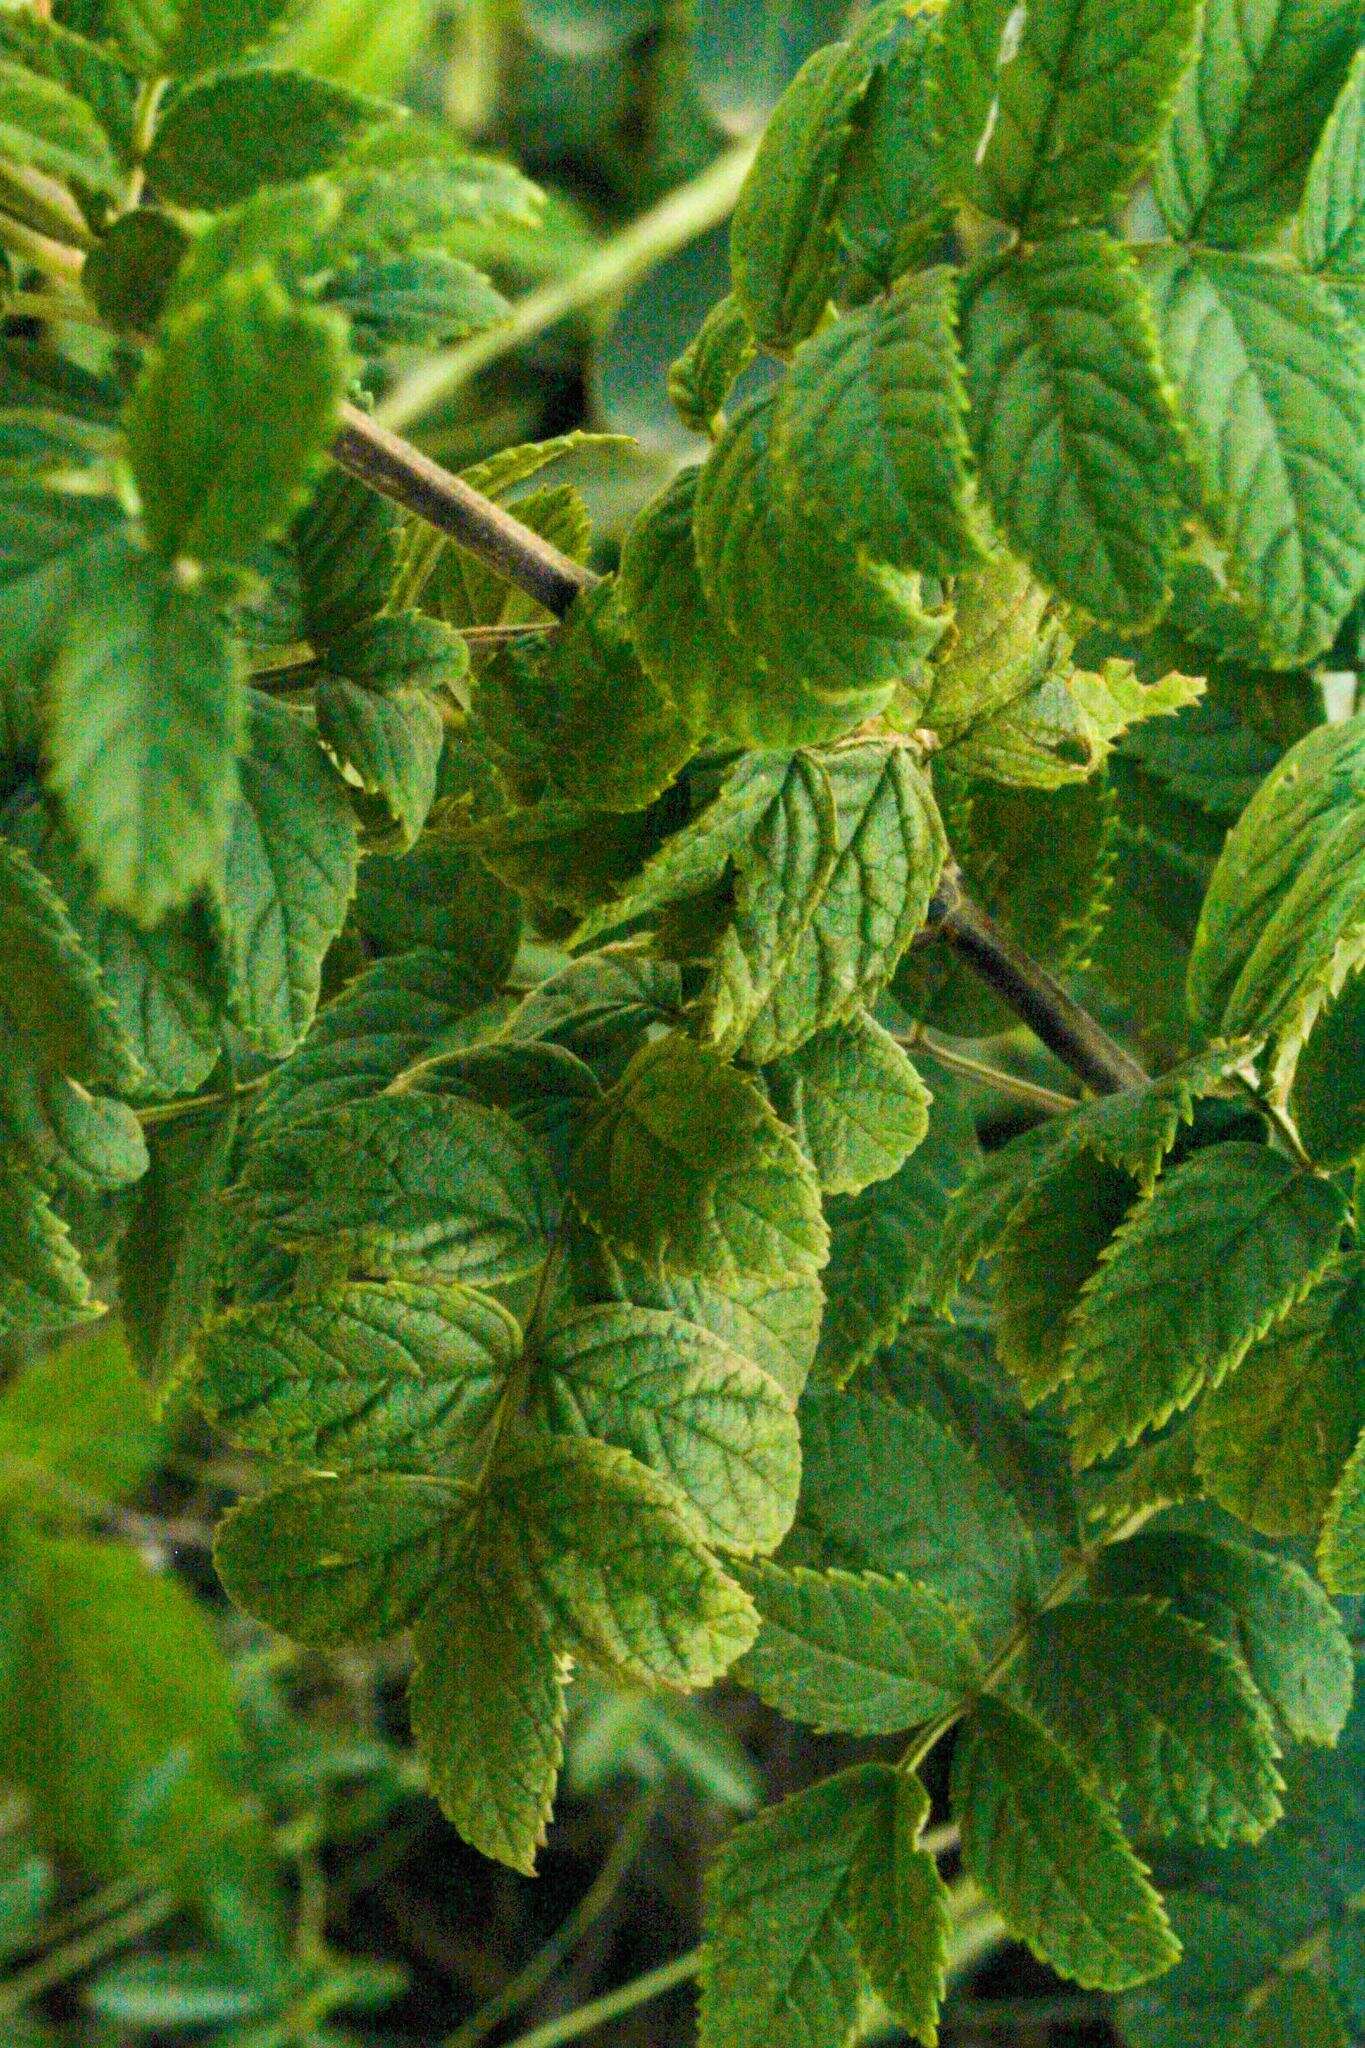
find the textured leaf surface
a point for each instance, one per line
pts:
(1160, 1710)
(1341, 1553)
(143, 728)
(685, 1165)
(1072, 424)
(889, 852)
(696, 1412)
(1230, 1240)
(387, 745)
(331, 1561)
(397, 1377)
(856, 1651)
(222, 448)
(1266, 1609)
(855, 1102)
(1273, 396)
(1049, 116)
(900, 1912)
(1331, 225)
(1050, 1855)
(1248, 114)
(488, 1711)
(43, 1285)
(887, 1489)
(288, 873)
(1328, 1099)
(779, 1968)
(416, 1187)
(619, 1568)
(1274, 1437)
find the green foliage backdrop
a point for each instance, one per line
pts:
(731, 1056)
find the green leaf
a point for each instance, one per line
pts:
(488, 1712)
(348, 541)
(83, 1726)
(77, 1431)
(1051, 1248)
(1248, 115)
(332, 1561)
(855, 1102)
(710, 1423)
(1048, 118)
(387, 746)
(871, 432)
(1072, 425)
(882, 1240)
(1231, 1238)
(779, 1968)
(143, 724)
(889, 852)
(1331, 224)
(686, 1166)
(1274, 1437)
(578, 713)
(900, 1912)
(413, 1187)
(887, 1489)
(400, 650)
(1341, 1552)
(780, 873)
(440, 897)
(1161, 1710)
(424, 300)
(779, 236)
(775, 1323)
(288, 873)
(705, 374)
(49, 541)
(384, 1022)
(1050, 1856)
(56, 1019)
(620, 1569)
(1298, 2012)
(42, 1283)
(1272, 393)
(856, 1651)
(222, 140)
(222, 446)
(185, 36)
(393, 1378)
(168, 1257)
(46, 128)
(759, 555)
(1266, 1609)
(1328, 1097)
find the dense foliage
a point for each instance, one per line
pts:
(509, 1040)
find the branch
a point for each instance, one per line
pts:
(399, 471)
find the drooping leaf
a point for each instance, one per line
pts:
(144, 721)
(221, 445)
(1072, 424)
(900, 1913)
(386, 744)
(1274, 1438)
(43, 1285)
(1230, 1240)
(1272, 394)
(288, 873)
(779, 1967)
(1050, 1855)
(1048, 118)
(1248, 114)
(702, 378)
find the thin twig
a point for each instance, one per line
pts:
(1050, 1100)
(1031, 992)
(397, 470)
(682, 217)
(613, 2004)
(75, 1957)
(1279, 1119)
